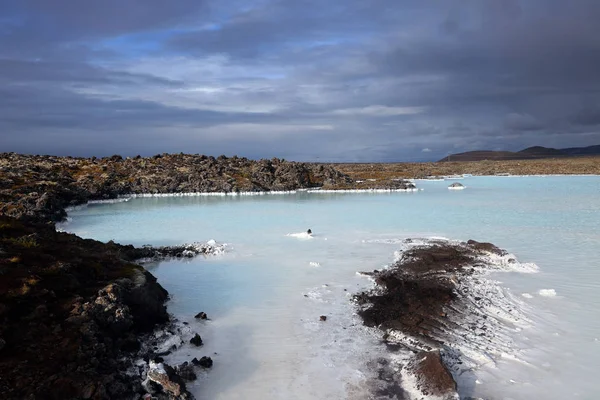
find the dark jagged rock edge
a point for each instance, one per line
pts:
(41, 187)
(414, 297)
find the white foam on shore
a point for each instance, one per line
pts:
(263, 193)
(537, 175)
(110, 201)
(527, 296)
(509, 263)
(119, 199)
(74, 208)
(62, 226)
(363, 190)
(383, 241)
(211, 247)
(211, 194)
(547, 293)
(301, 235)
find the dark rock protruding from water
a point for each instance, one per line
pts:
(201, 315)
(323, 318)
(171, 384)
(186, 371)
(196, 340)
(205, 362)
(456, 186)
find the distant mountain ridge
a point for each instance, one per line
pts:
(534, 152)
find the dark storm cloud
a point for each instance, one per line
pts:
(587, 117)
(33, 22)
(65, 109)
(281, 25)
(522, 122)
(510, 57)
(29, 72)
(378, 80)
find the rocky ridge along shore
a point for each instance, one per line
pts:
(39, 188)
(434, 303)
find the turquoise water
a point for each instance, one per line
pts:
(266, 332)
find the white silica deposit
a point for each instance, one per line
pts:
(547, 292)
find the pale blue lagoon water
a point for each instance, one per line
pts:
(269, 341)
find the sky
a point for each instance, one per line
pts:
(306, 80)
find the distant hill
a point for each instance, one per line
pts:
(529, 153)
(581, 151)
(539, 151)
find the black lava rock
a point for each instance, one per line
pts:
(196, 340)
(205, 362)
(201, 315)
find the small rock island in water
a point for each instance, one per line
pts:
(456, 186)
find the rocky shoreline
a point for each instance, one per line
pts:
(40, 188)
(75, 313)
(433, 303)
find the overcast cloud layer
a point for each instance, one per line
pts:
(339, 80)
